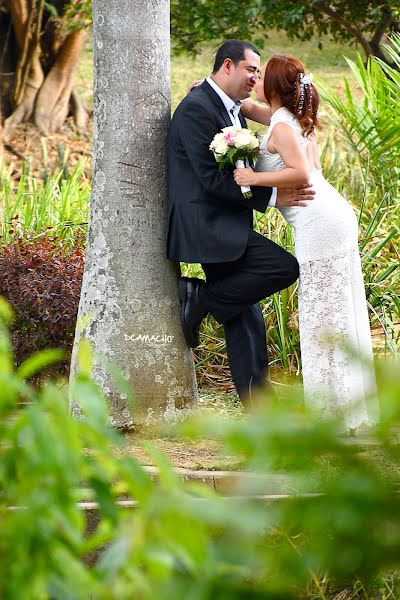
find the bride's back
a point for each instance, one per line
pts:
(270, 159)
(313, 153)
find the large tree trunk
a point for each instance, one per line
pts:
(43, 64)
(129, 292)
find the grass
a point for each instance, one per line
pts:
(385, 587)
(57, 206)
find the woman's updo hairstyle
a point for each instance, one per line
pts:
(285, 75)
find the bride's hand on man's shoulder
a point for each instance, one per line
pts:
(299, 196)
(194, 85)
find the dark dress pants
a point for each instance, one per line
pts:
(232, 293)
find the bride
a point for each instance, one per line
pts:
(333, 314)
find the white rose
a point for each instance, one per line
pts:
(217, 139)
(254, 142)
(232, 129)
(243, 139)
(221, 147)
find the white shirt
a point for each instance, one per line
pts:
(233, 109)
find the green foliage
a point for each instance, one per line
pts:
(72, 14)
(312, 536)
(56, 205)
(41, 258)
(196, 23)
(42, 468)
(369, 131)
(371, 127)
(78, 14)
(185, 541)
(41, 278)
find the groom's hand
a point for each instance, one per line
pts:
(298, 196)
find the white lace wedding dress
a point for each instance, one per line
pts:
(332, 304)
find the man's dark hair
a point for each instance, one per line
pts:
(233, 49)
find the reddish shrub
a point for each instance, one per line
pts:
(41, 279)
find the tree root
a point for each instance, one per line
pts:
(14, 151)
(78, 111)
(22, 113)
(52, 103)
(29, 73)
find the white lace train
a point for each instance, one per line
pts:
(335, 338)
(336, 350)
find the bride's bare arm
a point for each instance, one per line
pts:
(283, 141)
(256, 112)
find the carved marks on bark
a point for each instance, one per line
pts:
(131, 182)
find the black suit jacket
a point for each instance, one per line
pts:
(209, 220)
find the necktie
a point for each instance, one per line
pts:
(235, 118)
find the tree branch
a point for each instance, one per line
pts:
(382, 27)
(335, 16)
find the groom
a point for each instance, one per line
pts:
(210, 222)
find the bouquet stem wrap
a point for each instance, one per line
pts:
(246, 191)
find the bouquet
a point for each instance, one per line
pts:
(233, 147)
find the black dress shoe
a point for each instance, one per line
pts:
(192, 312)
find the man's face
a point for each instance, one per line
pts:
(243, 76)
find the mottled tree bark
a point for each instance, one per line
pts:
(129, 292)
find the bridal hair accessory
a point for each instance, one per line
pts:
(305, 80)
